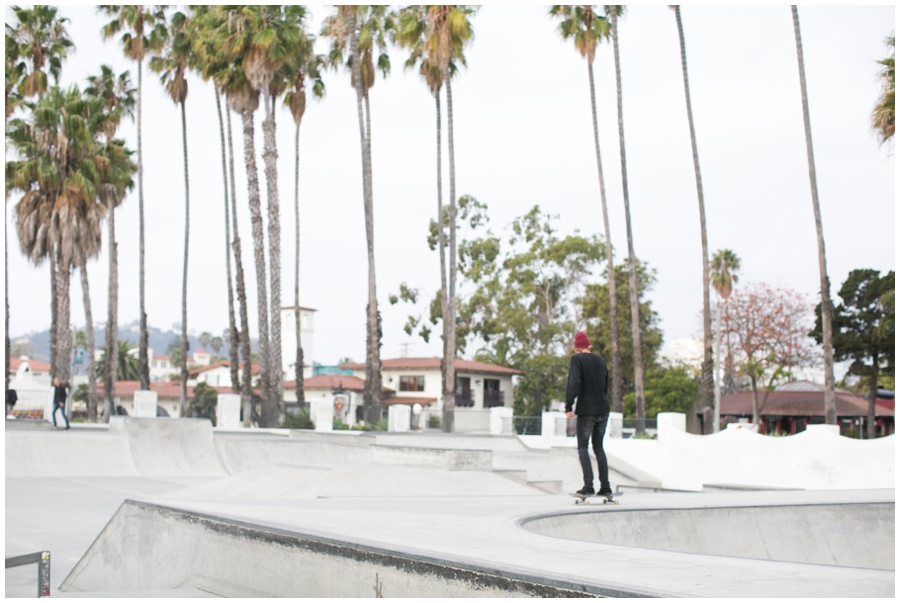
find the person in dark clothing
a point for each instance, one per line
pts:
(59, 401)
(588, 383)
(11, 398)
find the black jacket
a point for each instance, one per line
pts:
(588, 382)
(59, 396)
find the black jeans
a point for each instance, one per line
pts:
(592, 427)
(61, 408)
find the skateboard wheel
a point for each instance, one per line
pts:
(587, 502)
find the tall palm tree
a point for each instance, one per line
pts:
(304, 66)
(706, 377)
(41, 44)
(613, 13)
(827, 309)
(118, 99)
(14, 71)
(355, 31)
(883, 114)
(126, 365)
(722, 276)
(173, 62)
(587, 29)
(143, 29)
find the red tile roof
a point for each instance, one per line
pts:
(348, 382)
(408, 401)
(34, 365)
(254, 368)
(434, 363)
(799, 404)
(163, 389)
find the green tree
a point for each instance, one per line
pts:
(172, 62)
(723, 266)
(356, 31)
(203, 401)
(587, 29)
(613, 14)
(824, 284)
(127, 367)
(143, 29)
(304, 66)
(669, 389)
(595, 309)
(706, 379)
(883, 114)
(36, 44)
(864, 329)
(118, 97)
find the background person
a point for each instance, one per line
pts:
(588, 382)
(59, 400)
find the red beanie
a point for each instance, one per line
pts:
(581, 340)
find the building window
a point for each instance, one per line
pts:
(464, 391)
(492, 394)
(412, 384)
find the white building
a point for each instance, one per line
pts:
(346, 391)
(479, 385)
(218, 374)
(161, 367)
(289, 339)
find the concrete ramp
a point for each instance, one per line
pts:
(70, 453)
(162, 447)
(850, 535)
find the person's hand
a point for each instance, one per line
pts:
(570, 415)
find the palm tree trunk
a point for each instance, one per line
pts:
(143, 361)
(109, 369)
(449, 391)
(232, 330)
(824, 286)
(54, 310)
(755, 391)
(6, 291)
(616, 359)
(632, 272)
(63, 341)
(706, 380)
(184, 280)
(372, 391)
(89, 333)
(246, 379)
(717, 381)
(259, 254)
(451, 285)
(276, 371)
(298, 367)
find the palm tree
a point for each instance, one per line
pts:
(883, 114)
(143, 29)
(305, 65)
(613, 13)
(118, 98)
(356, 31)
(41, 44)
(722, 276)
(14, 71)
(706, 377)
(172, 63)
(827, 310)
(587, 29)
(127, 367)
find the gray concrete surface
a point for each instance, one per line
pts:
(457, 528)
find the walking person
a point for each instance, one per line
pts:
(588, 383)
(59, 400)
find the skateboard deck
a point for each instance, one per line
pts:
(583, 499)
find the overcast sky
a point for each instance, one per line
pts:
(523, 137)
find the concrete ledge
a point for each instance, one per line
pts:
(453, 460)
(234, 558)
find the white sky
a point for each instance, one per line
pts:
(523, 137)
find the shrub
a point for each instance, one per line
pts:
(298, 420)
(338, 425)
(434, 422)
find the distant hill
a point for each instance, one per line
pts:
(37, 344)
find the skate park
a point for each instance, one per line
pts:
(158, 507)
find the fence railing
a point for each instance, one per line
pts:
(473, 421)
(42, 558)
(493, 398)
(522, 425)
(30, 403)
(638, 428)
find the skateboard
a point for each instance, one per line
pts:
(583, 499)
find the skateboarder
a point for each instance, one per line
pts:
(59, 401)
(588, 382)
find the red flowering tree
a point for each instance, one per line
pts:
(768, 328)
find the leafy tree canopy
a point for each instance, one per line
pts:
(666, 389)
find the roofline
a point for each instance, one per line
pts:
(301, 307)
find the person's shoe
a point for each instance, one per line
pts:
(605, 493)
(586, 491)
